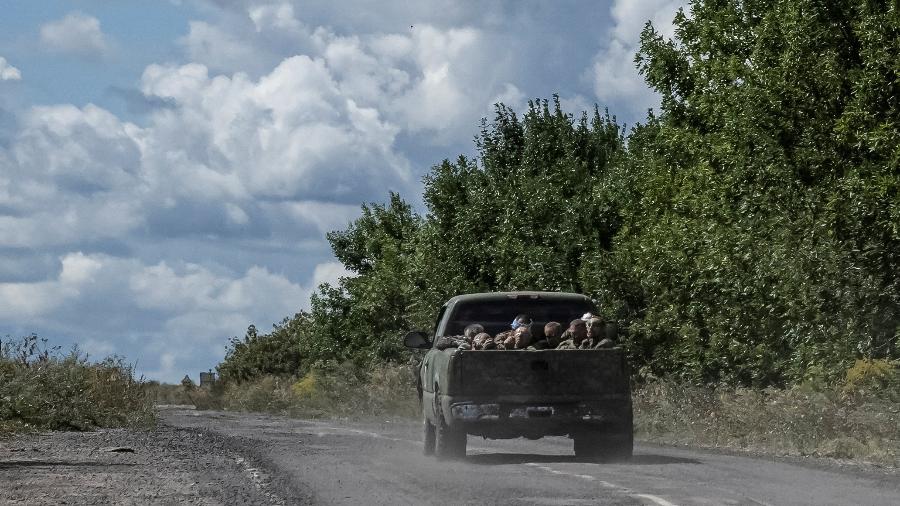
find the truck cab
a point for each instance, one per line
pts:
(584, 394)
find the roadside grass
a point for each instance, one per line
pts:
(332, 390)
(41, 389)
(857, 419)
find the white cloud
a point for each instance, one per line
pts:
(219, 48)
(77, 34)
(615, 77)
(278, 17)
(291, 134)
(186, 307)
(325, 216)
(330, 272)
(8, 72)
(71, 174)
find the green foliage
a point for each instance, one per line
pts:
(256, 355)
(43, 389)
(747, 234)
(758, 248)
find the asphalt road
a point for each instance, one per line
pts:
(381, 462)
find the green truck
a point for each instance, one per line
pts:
(501, 394)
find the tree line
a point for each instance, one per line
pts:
(747, 233)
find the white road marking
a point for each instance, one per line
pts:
(374, 435)
(649, 497)
(657, 500)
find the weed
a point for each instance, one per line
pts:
(41, 388)
(802, 420)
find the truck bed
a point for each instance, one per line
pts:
(548, 374)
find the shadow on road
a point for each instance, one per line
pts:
(10, 464)
(493, 459)
(655, 460)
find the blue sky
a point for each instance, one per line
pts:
(168, 169)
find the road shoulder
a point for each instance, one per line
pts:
(166, 465)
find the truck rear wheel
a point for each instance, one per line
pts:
(429, 437)
(450, 443)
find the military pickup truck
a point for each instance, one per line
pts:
(499, 394)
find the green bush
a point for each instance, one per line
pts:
(43, 389)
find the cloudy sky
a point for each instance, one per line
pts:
(168, 169)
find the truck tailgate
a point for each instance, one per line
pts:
(545, 373)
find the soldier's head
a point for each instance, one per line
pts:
(473, 330)
(523, 331)
(518, 321)
(578, 329)
(552, 330)
(595, 327)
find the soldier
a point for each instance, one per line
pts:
(472, 330)
(552, 337)
(596, 338)
(463, 342)
(518, 321)
(520, 338)
(574, 335)
(483, 341)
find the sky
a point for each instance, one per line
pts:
(169, 169)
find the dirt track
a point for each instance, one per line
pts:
(229, 458)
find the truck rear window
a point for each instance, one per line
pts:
(496, 315)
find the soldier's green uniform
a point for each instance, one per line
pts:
(552, 337)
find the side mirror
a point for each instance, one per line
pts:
(416, 340)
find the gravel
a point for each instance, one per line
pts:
(166, 465)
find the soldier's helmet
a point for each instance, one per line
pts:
(473, 330)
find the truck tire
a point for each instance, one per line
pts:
(450, 443)
(603, 447)
(429, 437)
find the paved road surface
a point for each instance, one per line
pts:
(325, 462)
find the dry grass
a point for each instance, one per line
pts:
(41, 388)
(342, 390)
(857, 420)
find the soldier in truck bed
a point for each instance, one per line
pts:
(552, 337)
(595, 328)
(463, 342)
(519, 339)
(484, 341)
(502, 338)
(574, 336)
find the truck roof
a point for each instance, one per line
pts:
(470, 297)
